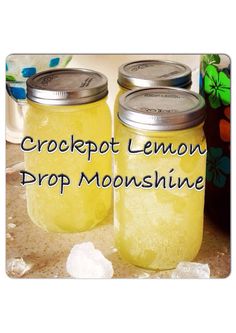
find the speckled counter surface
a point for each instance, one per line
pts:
(47, 252)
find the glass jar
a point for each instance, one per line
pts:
(157, 227)
(67, 105)
(152, 73)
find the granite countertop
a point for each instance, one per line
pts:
(47, 252)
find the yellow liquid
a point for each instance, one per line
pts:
(158, 228)
(78, 208)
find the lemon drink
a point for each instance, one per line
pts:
(156, 227)
(63, 103)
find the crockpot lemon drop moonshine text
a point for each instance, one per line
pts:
(90, 147)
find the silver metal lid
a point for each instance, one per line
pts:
(161, 109)
(154, 73)
(66, 86)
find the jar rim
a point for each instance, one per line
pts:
(67, 86)
(161, 109)
(152, 73)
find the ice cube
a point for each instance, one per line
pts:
(9, 236)
(143, 275)
(17, 267)
(11, 225)
(16, 167)
(113, 250)
(191, 270)
(84, 261)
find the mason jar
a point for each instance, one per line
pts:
(160, 130)
(66, 105)
(151, 74)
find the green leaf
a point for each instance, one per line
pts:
(224, 88)
(216, 58)
(208, 86)
(209, 175)
(214, 101)
(224, 164)
(225, 96)
(210, 79)
(211, 59)
(219, 180)
(215, 153)
(211, 72)
(224, 80)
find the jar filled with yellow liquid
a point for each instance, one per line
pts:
(151, 74)
(159, 215)
(67, 114)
